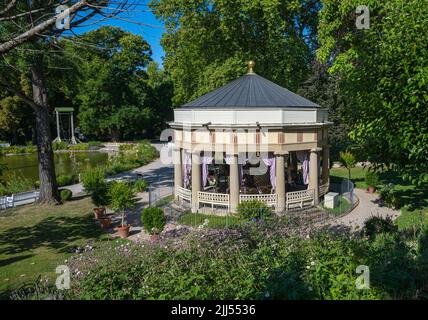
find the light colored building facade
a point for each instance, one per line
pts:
(250, 139)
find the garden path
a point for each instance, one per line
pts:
(368, 207)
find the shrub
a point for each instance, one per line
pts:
(140, 185)
(95, 183)
(254, 209)
(122, 197)
(153, 219)
(65, 195)
(390, 197)
(377, 225)
(18, 149)
(59, 145)
(15, 184)
(372, 178)
(65, 180)
(3, 168)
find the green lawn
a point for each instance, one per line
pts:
(196, 219)
(36, 239)
(342, 207)
(414, 199)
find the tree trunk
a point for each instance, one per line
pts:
(48, 186)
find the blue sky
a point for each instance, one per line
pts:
(151, 31)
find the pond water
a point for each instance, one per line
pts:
(65, 163)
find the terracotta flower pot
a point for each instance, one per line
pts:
(123, 231)
(99, 212)
(371, 189)
(105, 222)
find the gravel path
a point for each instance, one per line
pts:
(368, 207)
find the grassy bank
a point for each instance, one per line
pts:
(210, 221)
(36, 239)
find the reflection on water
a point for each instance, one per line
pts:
(65, 163)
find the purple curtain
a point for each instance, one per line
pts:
(271, 163)
(187, 167)
(206, 160)
(302, 156)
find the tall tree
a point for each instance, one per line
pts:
(112, 90)
(383, 72)
(322, 87)
(208, 42)
(27, 38)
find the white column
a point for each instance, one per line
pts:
(325, 164)
(314, 173)
(178, 171)
(196, 179)
(234, 183)
(280, 182)
(73, 139)
(58, 137)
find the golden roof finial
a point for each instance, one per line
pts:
(251, 66)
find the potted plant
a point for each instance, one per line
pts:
(122, 197)
(372, 180)
(153, 220)
(95, 184)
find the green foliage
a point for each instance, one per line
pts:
(348, 160)
(14, 184)
(153, 219)
(372, 178)
(94, 183)
(3, 168)
(65, 180)
(383, 74)
(321, 87)
(18, 149)
(132, 156)
(253, 209)
(59, 145)
(65, 195)
(140, 185)
(79, 146)
(115, 98)
(378, 225)
(255, 263)
(208, 43)
(390, 197)
(122, 197)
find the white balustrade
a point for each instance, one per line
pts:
(300, 199)
(183, 194)
(270, 199)
(214, 199)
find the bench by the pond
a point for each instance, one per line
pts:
(18, 199)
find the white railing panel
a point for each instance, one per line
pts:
(183, 194)
(300, 199)
(214, 199)
(270, 199)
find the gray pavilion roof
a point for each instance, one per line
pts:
(250, 91)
